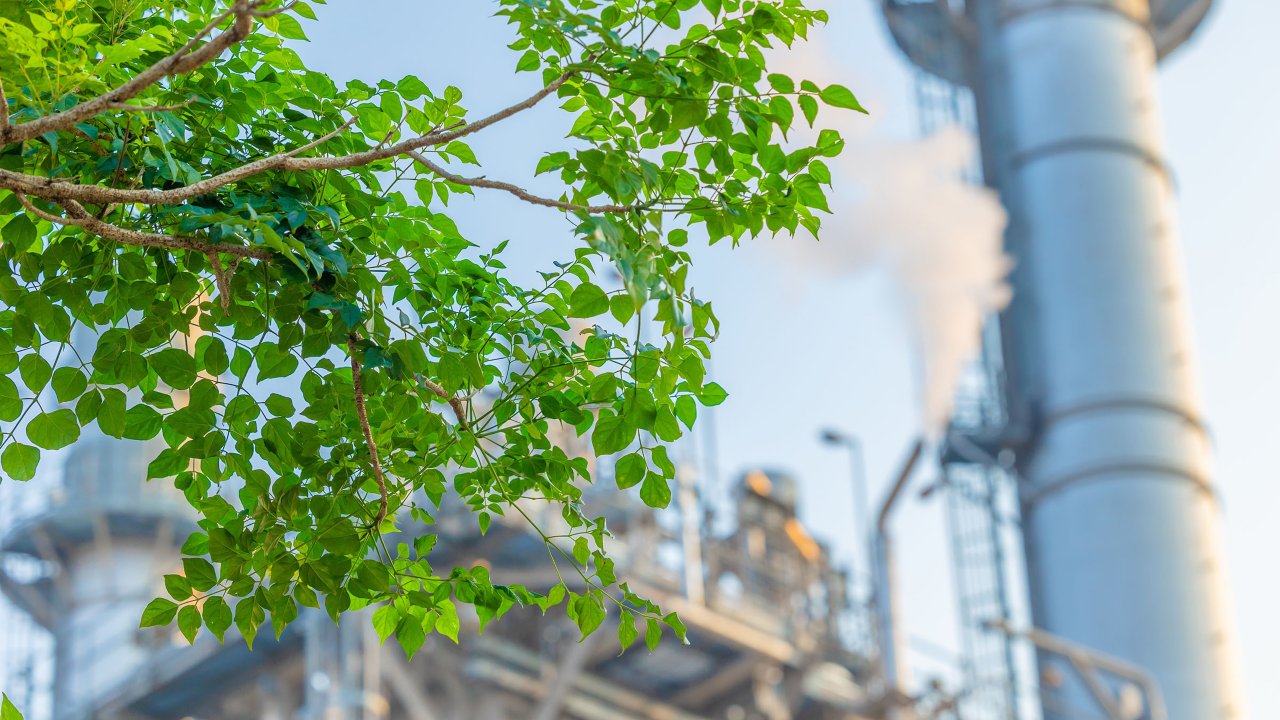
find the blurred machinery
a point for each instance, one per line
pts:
(762, 603)
(1097, 411)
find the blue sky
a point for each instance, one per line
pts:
(802, 350)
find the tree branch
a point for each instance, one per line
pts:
(459, 407)
(362, 414)
(186, 59)
(79, 217)
(51, 189)
(519, 192)
(4, 109)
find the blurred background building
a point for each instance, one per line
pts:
(1081, 521)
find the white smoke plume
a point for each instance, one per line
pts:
(906, 206)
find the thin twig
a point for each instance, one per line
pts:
(4, 108)
(150, 108)
(357, 383)
(518, 191)
(459, 408)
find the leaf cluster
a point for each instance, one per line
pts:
(256, 267)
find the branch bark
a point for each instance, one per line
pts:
(362, 414)
(518, 191)
(51, 189)
(456, 403)
(77, 216)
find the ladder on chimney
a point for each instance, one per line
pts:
(982, 505)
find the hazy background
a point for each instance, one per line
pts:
(817, 336)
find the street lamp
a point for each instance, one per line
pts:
(858, 474)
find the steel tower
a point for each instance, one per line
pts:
(1119, 515)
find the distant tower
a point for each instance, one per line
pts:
(1120, 518)
(104, 540)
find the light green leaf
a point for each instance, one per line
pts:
(613, 433)
(189, 622)
(159, 612)
(7, 709)
(841, 97)
(588, 301)
(55, 430)
(655, 492)
(385, 620)
(19, 461)
(630, 470)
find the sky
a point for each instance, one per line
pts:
(802, 350)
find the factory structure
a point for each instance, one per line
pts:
(1084, 540)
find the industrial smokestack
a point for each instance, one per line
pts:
(1120, 518)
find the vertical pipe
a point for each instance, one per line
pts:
(893, 667)
(1120, 518)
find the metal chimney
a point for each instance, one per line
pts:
(1120, 517)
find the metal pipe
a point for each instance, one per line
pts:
(858, 478)
(893, 670)
(1085, 660)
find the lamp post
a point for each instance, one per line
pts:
(858, 476)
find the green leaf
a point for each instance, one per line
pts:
(274, 363)
(385, 620)
(613, 433)
(448, 623)
(177, 586)
(411, 635)
(529, 61)
(159, 612)
(841, 97)
(11, 403)
(55, 430)
(7, 709)
(19, 232)
(111, 415)
(589, 613)
(588, 301)
(35, 372)
(217, 615)
(19, 461)
(782, 83)
(673, 622)
(68, 383)
(627, 630)
(652, 634)
(622, 307)
(142, 422)
(189, 622)
(630, 470)
(341, 538)
(655, 492)
(686, 410)
(712, 394)
(199, 573)
(175, 367)
(809, 107)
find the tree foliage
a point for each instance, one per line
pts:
(259, 268)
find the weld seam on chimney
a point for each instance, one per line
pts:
(1038, 493)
